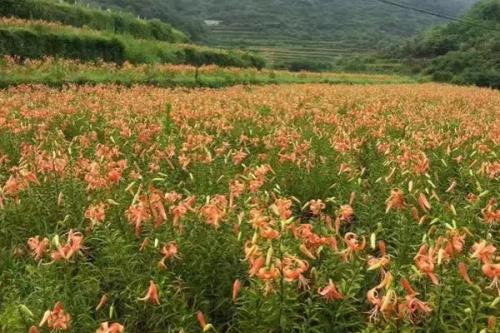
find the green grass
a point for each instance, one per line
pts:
(80, 16)
(60, 72)
(36, 39)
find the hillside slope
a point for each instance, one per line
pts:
(466, 52)
(81, 16)
(287, 30)
(33, 29)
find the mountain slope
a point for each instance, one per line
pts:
(81, 16)
(285, 30)
(465, 52)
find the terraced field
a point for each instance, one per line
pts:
(281, 48)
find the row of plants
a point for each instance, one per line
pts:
(465, 52)
(84, 16)
(36, 39)
(58, 72)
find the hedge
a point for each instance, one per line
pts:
(31, 44)
(37, 43)
(79, 16)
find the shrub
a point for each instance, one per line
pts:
(79, 16)
(37, 44)
(36, 40)
(306, 65)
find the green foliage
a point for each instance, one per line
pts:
(91, 34)
(38, 41)
(79, 16)
(58, 72)
(285, 32)
(310, 66)
(36, 44)
(94, 128)
(358, 20)
(465, 52)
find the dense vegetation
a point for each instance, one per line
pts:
(359, 20)
(465, 52)
(292, 208)
(59, 72)
(38, 43)
(32, 39)
(79, 16)
(135, 198)
(291, 31)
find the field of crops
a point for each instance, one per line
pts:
(59, 72)
(279, 50)
(294, 208)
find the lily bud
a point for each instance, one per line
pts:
(269, 256)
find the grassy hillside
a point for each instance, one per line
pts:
(80, 16)
(465, 52)
(284, 31)
(95, 35)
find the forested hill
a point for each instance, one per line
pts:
(288, 29)
(462, 52)
(317, 19)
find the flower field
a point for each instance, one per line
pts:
(294, 208)
(60, 72)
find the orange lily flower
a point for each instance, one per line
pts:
(483, 251)
(255, 265)
(137, 214)
(152, 295)
(316, 207)
(396, 200)
(330, 292)
(385, 303)
(293, 268)
(113, 328)
(353, 245)
(56, 319)
(346, 213)
(268, 274)
(169, 250)
(492, 271)
(412, 307)
(492, 323)
(178, 212)
(38, 247)
(96, 214)
(236, 189)
(283, 208)
(269, 233)
(214, 211)
(311, 240)
(490, 214)
(156, 206)
(382, 262)
(425, 262)
(73, 245)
